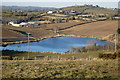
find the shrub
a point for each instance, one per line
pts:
(118, 30)
(108, 56)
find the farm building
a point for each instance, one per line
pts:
(13, 24)
(50, 12)
(24, 24)
(61, 11)
(28, 24)
(32, 24)
(72, 11)
(16, 25)
(10, 23)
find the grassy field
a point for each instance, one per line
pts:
(63, 66)
(96, 29)
(95, 68)
(9, 33)
(91, 9)
(40, 55)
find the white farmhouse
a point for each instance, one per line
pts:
(50, 12)
(72, 11)
(32, 24)
(23, 24)
(12, 23)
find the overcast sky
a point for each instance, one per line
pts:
(60, 0)
(60, 3)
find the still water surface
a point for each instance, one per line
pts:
(58, 44)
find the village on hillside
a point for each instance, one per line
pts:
(22, 18)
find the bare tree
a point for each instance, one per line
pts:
(91, 44)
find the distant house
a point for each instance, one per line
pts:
(24, 24)
(72, 11)
(116, 17)
(61, 11)
(32, 24)
(13, 24)
(50, 12)
(28, 24)
(19, 11)
(16, 25)
(10, 23)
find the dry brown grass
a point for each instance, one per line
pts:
(60, 69)
(55, 17)
(64, 25)
(10, 35)
(61, 15)
(97, 29)
(37, 32)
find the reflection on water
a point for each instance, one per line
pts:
(58, 44)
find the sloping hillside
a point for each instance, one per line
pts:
(90, 9)
(97, 29)
(12, 35)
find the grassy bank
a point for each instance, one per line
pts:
(21, 54)
(96, 68)
(66, 66)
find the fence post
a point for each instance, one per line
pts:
(58, 58)
(44, 58)
(47, 57)
(89, 58)
(73, 57)
(35, 58)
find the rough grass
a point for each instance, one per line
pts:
(96, 29)
(82, 67)
(61, 15)
(21, 54)
(96, 68)
(9, 33)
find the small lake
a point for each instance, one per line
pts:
(58, 44)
